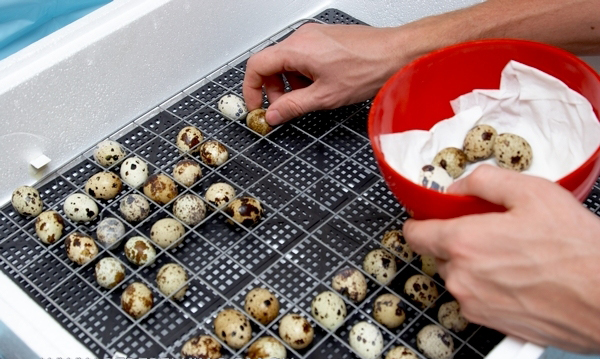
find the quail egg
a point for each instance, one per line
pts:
(26, 201)
(103, 185)
(137, 300)
(351, 283)
(257, 121)
(428, 265)
(381, 264)
(49, 226)
(187, 172)
(394, 241)
(512, 152)
(134, 208)
(80, 248)
(109, 272)
(421, 289)
(450, 318)
(166, 232)
(219, 194)
(295, 330)
(189, 209)
(203, 346)
(328, 309)
(262, 305)
(435, 342)
(160, 188)
(110, 231)
(401, 352)
(188, 139)
(171, 280)
(479, 143)
(233, 328)
(108, 153)
(80, 208)
(213, 153)
(232, 106)
(245, 210)
(435, 178)
(366, 339)
(267, 348)
(453, 160)
(134, 171)
(140, 251)
(388, 310)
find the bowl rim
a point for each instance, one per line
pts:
(468, 44)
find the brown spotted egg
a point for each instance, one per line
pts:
(450, 318)
(134, 208)
(394, 241)
(267, 347)
(171, 280)
(401, 352)
(257, 121)
(351, 283)
(262, 305)
(166, 232)
(389, 311)
(479, 143)
(296, 331)
(80, 208)
(328, 309)
(187, 172)
(512, 152)
(213, 153)
(80, 248)
(160, 188)
(435, 342)
(137, 300)
(202, 346)
(232, 106)
(103, 185)
(188, 139)
(109, 272)
(110, 231)
(108, 152)
(245, 210)
(219, 194)
(366, 339)
(233, 328)
(134, 171)
(26, 201)
(49, 226)
(453, 160)
(189, 209)
(421, 289)
(381, 264)
(140, 251)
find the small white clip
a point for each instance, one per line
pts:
(40, 162)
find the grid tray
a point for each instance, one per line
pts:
(326, 207)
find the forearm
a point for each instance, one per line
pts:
(572, 25)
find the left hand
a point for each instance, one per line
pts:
(532, 271)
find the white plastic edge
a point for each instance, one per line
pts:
(514, 348)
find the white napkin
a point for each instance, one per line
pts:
(558, 123)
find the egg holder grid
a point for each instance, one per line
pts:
(326, 207)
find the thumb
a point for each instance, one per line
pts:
(496, 185)
(293, 104)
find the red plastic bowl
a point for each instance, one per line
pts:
(418, 96)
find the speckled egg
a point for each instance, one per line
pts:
(187, 172)
(512, 152)
(104, 185)
(421, 289)
(262, 305)
(189, 209)
(245, 210)
(479, 143)
(328, 309)
(366, 339)
(110, 231)
(134, 171)
(171, 280)
(134, 208)
(201, 347)
(188, 139)
(49, 226)
(296, 331)
(139, 251)
(232, 106)
(160, 188)
(389, 311)
(233, 328)
(137, 300)
(435, 178)
(401, 352)
(109, 272)
(435, 342)
(453, 160)
(394, 241)
(108, 152)
(267, 348)
(219, 194)
(80, 248)
(213, 153)
(351, 283)
(80, 208)
(381, 264)
(450, 318)
(26, 201)
(257, 121)
(166, 232)
(428, 265)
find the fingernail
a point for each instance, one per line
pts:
(273, 117)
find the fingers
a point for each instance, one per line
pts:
(297, 80)
(274, 87)
(293, 104)
(262, 65)
(427, 237)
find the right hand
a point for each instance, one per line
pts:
(327, 66)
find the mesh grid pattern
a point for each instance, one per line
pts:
(326, 204)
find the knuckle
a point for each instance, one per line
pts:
(295, 108)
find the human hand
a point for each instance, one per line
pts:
(532, 271)
(327, 66)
